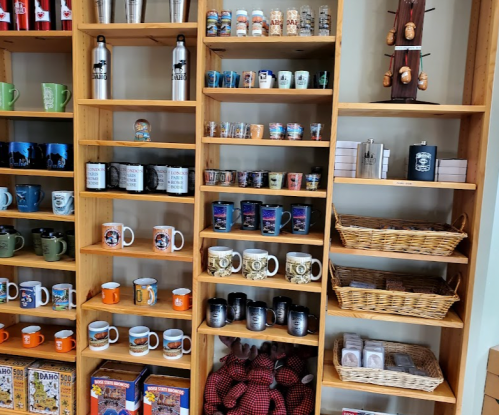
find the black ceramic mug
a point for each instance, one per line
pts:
(298, 317)
(218, 313)
(256, 316)
(281, 306)
(238, 302)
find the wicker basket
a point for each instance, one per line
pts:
(423, 358)
(380, 300)
(361, 232)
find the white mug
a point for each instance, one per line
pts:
(220, 261)
(164, 239)
(302, 79)
(140, 340)
(265, 80)
(173, 344)
(98, 335)
(31, 294)
(285, 79)
(256, 264)
(5, 285)
(299, 268)
(63, 202)
(5, 198)
(113, 235)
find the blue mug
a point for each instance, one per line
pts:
(223, 213)
(271, 219)
(59, 156)
(212, 79)
(250, 215)
(301, 215)
(29, 197)
(230, 79)
(24, 155)
(31, 294)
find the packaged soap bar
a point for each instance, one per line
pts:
(374, 359)
(403, 360)
(351, 358)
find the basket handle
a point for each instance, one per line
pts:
(458, 277)
(335, 213)
(332, 270)
(464, 218)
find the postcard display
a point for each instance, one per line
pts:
(84, 252)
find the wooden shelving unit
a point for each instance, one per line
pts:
(40, 215)
(138, 105)
(265, 142)
(408, 110)
(38, 113)
(148, 197)
(405, 183)
(56, 41)
(36, 172)
(270, 96)
(138, 144)
(265, 191)
(28, 259)
(13, 307)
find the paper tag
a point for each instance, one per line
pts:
(42, 16)
(66, 13)
(407, 47)
(4, 16)
(307, 379)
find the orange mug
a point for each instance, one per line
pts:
(4, 335)
(182, 299)
(32, 336)
(64, 341)
(110, 293)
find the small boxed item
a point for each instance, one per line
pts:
(374, 359)
(124, 367)
(345, 166)
(345, 173)
(456, 178)
(347, 144)
(345, 159)
(14, 382)
(493, 365)
(459, 163)
(452, 170)
(116, 390)
(403, 360)
(352, 152)
(166, 395)
(351, 358)
(490, 406)
(52, 388)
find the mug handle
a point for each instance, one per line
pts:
(42, 196)
(190, 340)
(271, 274)
(316, 319)
(73, 344)
(230, 320)
(64, 247)
(73, 210)
(11, 284)
(237, 218)
(8, 202)
(69, 95)
(133, 236)
(16, 96)
(71, 304)
(22, 242)
(6, 335)
(115, 297)
(318, 276)
(289, 218)
(174, 247)
(153, 334)
(151, 296)
(43, 289)
(318, 214)
(42, 338)
(274, 319)
(240, 262)
(117, 334)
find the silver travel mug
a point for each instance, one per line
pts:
(104, 11)
(101, 70)
(134, 11)
(179, 11)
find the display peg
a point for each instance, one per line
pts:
(430, 10)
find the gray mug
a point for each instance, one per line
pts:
(256, 316)
(217, 313)
(298, 317)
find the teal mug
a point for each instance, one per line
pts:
(271, 219)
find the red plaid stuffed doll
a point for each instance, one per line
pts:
(234, 370)
(293, 379)
(255, 396)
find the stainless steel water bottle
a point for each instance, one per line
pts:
(101, 70)
(179, 11)
(180, 71)
(134, 11)
(369, 160)
(104, 11)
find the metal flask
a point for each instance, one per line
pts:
(180, 71)
(134, 11)
(422, 161)
(101, 70)
(179, 11)
(104, 11)
(369, 160)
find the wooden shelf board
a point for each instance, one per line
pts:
(273, 47)
(138, 144)
(16, 412)
(277, 281)
(41, 215)
(148, 197)
(13, 307)
(46, 350)
(452, 320)
(265, 142)
(338, 248)
(36, 172)
(142, 34)
(119, 352)
(35, 114)
(275, 333)
(271, 96)
(443, 393)
(406, 183)
(29, 259)
(407, 110)
(141, 248)
(322, 194)
(313, 238)
(53, 41)
(140, 105)
(162, 309)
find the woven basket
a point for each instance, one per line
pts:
(380, 300)
(361, 232)
(423, 358)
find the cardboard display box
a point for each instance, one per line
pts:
(14, 382)
(166, 394)
(490, 406)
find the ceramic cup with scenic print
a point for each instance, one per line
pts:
(173, 344)
(271, 219)
(98, 335)
(220, 261)
(299, 268)
(140, 340)
(256, 264)
(164, 239)
(5, 284)
(223, 216)
(145, 291)
(113, 235)
(301, 215)
(61, 297)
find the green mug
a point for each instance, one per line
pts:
(8, 95)
(8, 242)
(55, 97)
(53, 245)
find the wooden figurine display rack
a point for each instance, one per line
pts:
(94, 140)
